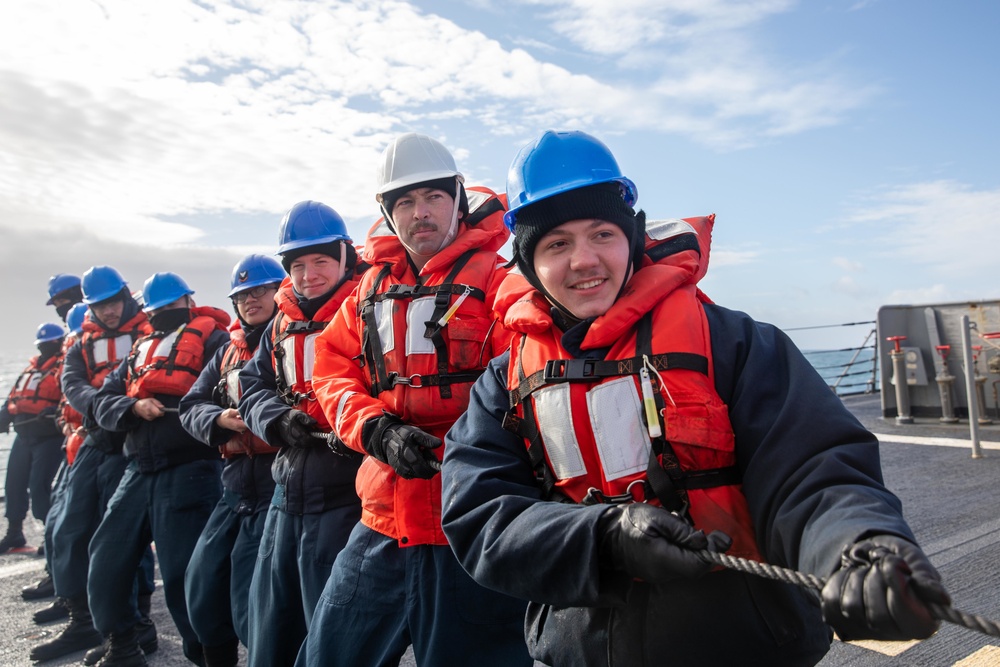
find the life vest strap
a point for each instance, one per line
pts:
(589, 370)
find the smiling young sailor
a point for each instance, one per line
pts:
(634, 423)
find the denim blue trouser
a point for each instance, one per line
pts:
(218, 577)
(296, 555)
(90, 482)
(382, 598)
(169, 507)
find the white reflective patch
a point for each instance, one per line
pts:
(123, 345)
(555, 419)
(101, 352)
(288, 360)
(659, 230)
(341, 404)
(386, 334)
(164, 346)
(143, 350)
(309, 356)
(616, 420)
(475, 199)
(233, 386)
(417, 315)
(31, 381)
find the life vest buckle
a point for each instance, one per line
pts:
(635, 492)
(415, 380)
(568, 370)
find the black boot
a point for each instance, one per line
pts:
(224, 655)
(123, 651)
(78, 635)
(14, 539)
(41, 589)
(145, 633)
(57, 611)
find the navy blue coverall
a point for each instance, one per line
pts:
(218, 577)
(811, 477)
(170, 486)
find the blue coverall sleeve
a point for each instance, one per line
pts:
(75, 381)
(198, 409)
(112, 407)
(499, 527)
(259, 405)
(811, 472)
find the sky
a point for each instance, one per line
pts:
(849, 148)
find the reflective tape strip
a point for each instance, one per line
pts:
(555, 420)
(616, 420)
(341, 405)
(386, 333)
(419, 312)
(309, 356)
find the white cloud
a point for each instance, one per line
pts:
(848, 265)
(947, 226)
(733, 257)
(936, 293)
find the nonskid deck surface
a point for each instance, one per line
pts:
(951, 500)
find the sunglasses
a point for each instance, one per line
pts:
(256, 292)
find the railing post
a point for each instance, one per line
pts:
(970, 388)
(899, 376)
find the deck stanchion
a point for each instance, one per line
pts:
(970, 388)
(899, 377)
(980, 386)
(945, 382)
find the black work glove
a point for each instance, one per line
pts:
(295, 428)
(880, 589)
(405, 448)
(654, 545)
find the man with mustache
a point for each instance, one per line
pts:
(393, 372)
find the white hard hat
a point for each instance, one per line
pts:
(413, 158)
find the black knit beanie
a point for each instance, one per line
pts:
(602, 201)
(332, 249)
(448, 184)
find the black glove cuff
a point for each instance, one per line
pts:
(372, 432)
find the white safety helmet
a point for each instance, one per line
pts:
(413, 158)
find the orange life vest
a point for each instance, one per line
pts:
(424, 339)
(168, 362)
(294, 350)
(68, 416)
(104, 350)
(644, 423)
(37, 387)
(235, 357)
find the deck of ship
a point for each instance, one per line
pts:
(951, 500)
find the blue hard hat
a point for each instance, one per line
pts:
(59, 283)
(75, 317)
(558, 162)
(101, 283)
(310, 223)
(253, 271)
(48, 332)
(162, 289)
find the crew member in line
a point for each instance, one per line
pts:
(172, 481)
(634, 423)
(314, 506)
(114, 322)
(37, 448)
(69, 422)
(393, 373)
(64, 292)
(218, 577)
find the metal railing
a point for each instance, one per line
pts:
(849, 370)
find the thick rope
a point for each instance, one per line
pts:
(940, 612)
(330, 437)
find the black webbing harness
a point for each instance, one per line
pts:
(383, 380)
(665, 480)
(168, 362)
(282, 386)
